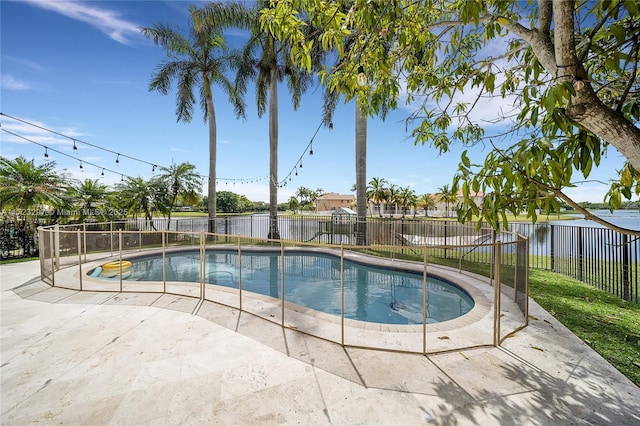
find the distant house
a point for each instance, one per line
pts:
(477, 197)
(333, 201)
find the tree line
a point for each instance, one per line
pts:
(29, 192)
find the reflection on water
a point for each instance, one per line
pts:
(312, 280)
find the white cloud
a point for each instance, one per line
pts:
(8, 82)
(26, 63)
(107, 21)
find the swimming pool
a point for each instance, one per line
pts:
(372, 294)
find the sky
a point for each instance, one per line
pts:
(82, 69)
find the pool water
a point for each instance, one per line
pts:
(372, 294)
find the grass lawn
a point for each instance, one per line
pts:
(605, 322)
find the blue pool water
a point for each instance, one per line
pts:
(372, 294)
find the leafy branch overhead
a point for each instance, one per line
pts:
(568, 70)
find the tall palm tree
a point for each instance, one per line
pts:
(447, 196)
(88, 195)
(361, 176)
(268, 61)
(376, 192)
(178, 180)
(199, 60)
(26, 190)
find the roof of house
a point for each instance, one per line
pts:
(336, 196)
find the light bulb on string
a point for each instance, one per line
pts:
(121, 178)
(46, 154)
(310, 149)
(362, 77)
(301, 164)
(81, 168)
(296, 172)
(118, 159)
(153, 169)
(102, 174)
(75, 147)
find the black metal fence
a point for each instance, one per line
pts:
(17, 240)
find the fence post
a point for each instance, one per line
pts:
(120, 255)
(496, 294)
(342, 293)
(282, 280)
(52, 238)
(56, 245)
(552, 248)
(625, 268)
(80, 256)
(164, 262)
(240, 271)
(84, 232)
(580, 254)
(424, 302)
(203, 258)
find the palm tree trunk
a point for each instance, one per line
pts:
(361, 177)
(274, 233)
(211, 192)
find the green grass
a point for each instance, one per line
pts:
(18, 260)
(605, 322)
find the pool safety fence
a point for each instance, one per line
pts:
(498, 283)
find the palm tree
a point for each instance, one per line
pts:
(179, 180)
(405, 198)
(446, 195)
(199, 60)
(376, 192)
(427, 202)
(268, 61)
(139, 196)
(361, 176)
(391, 198)
(293, 204)
(88, 195)
(27, 190)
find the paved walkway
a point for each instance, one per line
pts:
(93, 358)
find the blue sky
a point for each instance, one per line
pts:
(82, 69)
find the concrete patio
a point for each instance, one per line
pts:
(93, 358)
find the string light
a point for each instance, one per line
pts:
(46, 148)
(362, 77)
(46, 154)
(75, 141)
